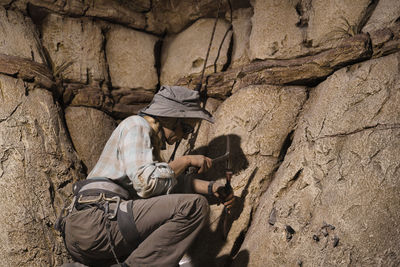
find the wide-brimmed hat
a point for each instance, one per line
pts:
(177, 102)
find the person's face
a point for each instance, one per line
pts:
(181, 130)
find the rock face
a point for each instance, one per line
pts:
(89, 130)
(130, 57)
(306, 90)
(78, 43)
(37, 167)
(385, 14)
(185, 53)
(274, 37)
(174, 16)
(125, 13)
(241, 23)
(335, 196)
(257, 135)
(335, 19)
(306, 25)
(18, 36)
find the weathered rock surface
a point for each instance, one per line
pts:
(5, 2)
(37, 167)
(18, 36)
(335, 197)
(306, 25)
(128, 102)
(131, 59)
(121, 103)
(384, 15)
(185, 53)
(27, 70)
(333, 20)
(271, 35)
(173, 16)
(257, 136)
(89, 130)
(77, 42)
(123, 12)
(241, 23)
(302, 70)
(385, 41)
(326, 158)
(76, 94)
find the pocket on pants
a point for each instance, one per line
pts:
(85, 232)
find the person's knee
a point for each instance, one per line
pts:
(202, 207)
(195, 206)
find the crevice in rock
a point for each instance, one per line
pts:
(108, 81)
(52, 191)
(302, 9)
(37, 14)
(157, 59)
(289, 183)
(383, 104)
(86, 8)
(12, 113)
(379, 127)
(239, 240)
(229, 54)
(64, 184)
(368, 13)
(285, 146)
(219, 50)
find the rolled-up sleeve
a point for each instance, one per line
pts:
(149, 178)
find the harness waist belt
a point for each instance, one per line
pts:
(96, 186)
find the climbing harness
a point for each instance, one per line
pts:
(102, 193)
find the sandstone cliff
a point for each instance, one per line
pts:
(307, 90)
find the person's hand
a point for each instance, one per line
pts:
(201, 162)
(224, 193)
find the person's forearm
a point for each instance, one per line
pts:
(200, 186)
(179, 165)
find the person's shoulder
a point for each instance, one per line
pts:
(135, 122)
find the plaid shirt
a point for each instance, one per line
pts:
(128, 158)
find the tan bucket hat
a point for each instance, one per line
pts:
(177, 102)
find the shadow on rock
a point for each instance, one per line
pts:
(210, 242)
(217, 147)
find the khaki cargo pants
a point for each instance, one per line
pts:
(167, 225)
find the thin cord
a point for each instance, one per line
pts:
(223, 39)
(209, 46)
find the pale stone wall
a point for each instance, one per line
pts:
(77, 42)
(341, 171)
(130, 57)
(185, 53)
(37, 167)
(18, 36)
(310, 105)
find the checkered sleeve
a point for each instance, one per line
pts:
(149, 178)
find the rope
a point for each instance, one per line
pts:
(200, 84)
(198, 88)
(223, 39)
